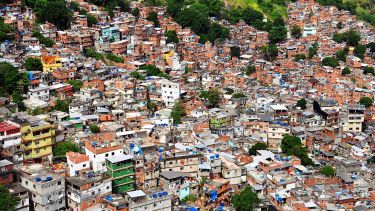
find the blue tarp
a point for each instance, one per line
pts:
(193, 209)
(213, 195)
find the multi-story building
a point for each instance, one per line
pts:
(121, 169)
(170, 92)
(276, 133)
(47, 190)
(99, 150)
(187, 163)
(155, 200)
(38, 136)
(10, 139)
(16, 189)
(77, 163)
(51, 63)
(87, 190)
(352, 121)
(6, 172)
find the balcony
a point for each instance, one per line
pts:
(119, 167)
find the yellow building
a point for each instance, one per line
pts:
(38, 136)
(51, 63)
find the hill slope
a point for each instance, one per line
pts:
(363, 9)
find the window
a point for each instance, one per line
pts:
(84, 165)
(59, 183)
(113, 153)
(106, 155)
(34, 186)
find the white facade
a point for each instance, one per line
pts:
(47, 194)
(41, 92)
(98, 160)
(170, 92)
(76, 167)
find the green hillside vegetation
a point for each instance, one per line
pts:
(363, 9)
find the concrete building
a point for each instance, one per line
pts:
(170, 92)
(87, 190)
(121, 170)
(154, 200)
(10, 139)
(47, 190)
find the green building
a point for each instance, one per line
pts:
(121, 169)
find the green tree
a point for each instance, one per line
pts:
(137, 75)
(341, 55)
(152, 70)
(135, 12)
(301, 103)
(7, 200)
(246, 200)
(351, 37)
(56, 12)
(367, 70)
(94, 129)
(235, 51)
(178, 111)
(91, 20)
(359, 51)
(313, 50)
(292, 145)
(214, 7)
(9, 78)
(238, 95)
(194, 17)
(153, 17)
(258, 146)
(46, 41)
(250, 69)
(7, 32)
(114, 58)
(328, 170)
(217, 31)
(269, 52)
(371, 160)
(366, 101)
(18, 99)
(299, 57)
(77, 84)
(90, 52)
(296, 31)
(171, 36)
(61, 105)
(345, 71)
(371, 46)
(61, 148)
(213, 96)
(251, 16)
(33, 64)
(330, 61)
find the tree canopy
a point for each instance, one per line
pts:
(61, 148)
(171, 36)
(328, 170)
(6, 31)
(301, 103)
(9, 78)
(33, 64)
(296, 31)
(351, 37)
(246, 200)
(56, 12)
(213, 96)
(94, 129)
(366, 101)
(177, 112)
(292, 145)
(258, 146)
(7, 200)
(330, 61)
(345, 71)
(269, 52)
(359, 51)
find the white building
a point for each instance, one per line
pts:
(48, 190)
(99, 151)
(10, 139)
(170, 92)
(157, 201)
(352, 121)
(77, 163)
(40, 92)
